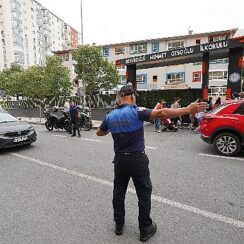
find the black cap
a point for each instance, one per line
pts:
(127, 90)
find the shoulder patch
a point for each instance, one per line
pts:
(141, 109)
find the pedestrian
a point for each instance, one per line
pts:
(210, 104)
(125, 123)
(158, 121)
(217, 103)
(177, 121)
(67, 105)
(74, 117)
(235, 96)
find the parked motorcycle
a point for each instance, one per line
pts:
(85, 121)
(53, 120)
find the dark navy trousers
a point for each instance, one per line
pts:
(135, 166)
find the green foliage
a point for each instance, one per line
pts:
(9, 79)
(38, 82)
(93, 70)
(35, 83)
(57, 77)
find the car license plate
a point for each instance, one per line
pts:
(20, 138)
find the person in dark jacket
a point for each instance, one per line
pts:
(210, 104)
(126, 126)
(74, 112)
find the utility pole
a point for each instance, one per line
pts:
(82, 43)
(81, 17)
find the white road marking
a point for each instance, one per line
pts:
(207, 214)
(81, 138)
(153, 148)
(87, 139)
(58, 136)
(218, 156)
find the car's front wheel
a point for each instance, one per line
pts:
(227, 144)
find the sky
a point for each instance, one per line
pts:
(113, 21)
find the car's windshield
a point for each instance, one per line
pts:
(5, 118)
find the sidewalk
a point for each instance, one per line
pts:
(41, 121)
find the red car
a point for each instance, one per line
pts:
(224, 128)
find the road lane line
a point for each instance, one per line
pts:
(153, 148)
(58, 136)
(81, 138)
(218, 156)
(188, 208)
(87, 139)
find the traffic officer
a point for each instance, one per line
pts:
(126, 126)
(74, 117)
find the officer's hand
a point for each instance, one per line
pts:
(197, 107)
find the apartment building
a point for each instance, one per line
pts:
(29, 32)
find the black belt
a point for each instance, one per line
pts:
(130, 153)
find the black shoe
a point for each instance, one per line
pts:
(149, 232)
(79, 135)
(119, 229)
(73, 135)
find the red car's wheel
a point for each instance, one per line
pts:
(227, 144)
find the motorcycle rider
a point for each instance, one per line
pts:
(74, 112)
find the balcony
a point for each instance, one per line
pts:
(16, 9)
(17, 19)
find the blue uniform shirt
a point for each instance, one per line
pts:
(126, 126)
(73, 111)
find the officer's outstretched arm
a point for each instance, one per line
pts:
(101, 132)
(166, 113)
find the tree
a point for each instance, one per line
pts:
(37, 82)
(10, 80)
(57, 77)
(93, 70)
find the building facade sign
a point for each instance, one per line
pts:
(234, 77)
(181, 52)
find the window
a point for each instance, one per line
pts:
(175, 78)
(120, 67)
(105, 52)
(217, 91)
(219, 61)
(120, 50)
(196, 76)
(122, 79)
(155, 47)
(175, 45)
(155, 78)
(141, 78)
(218, 38)
(240, 109)
(198, 41)
(218, 75)
(64, 56)
(138, 48)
